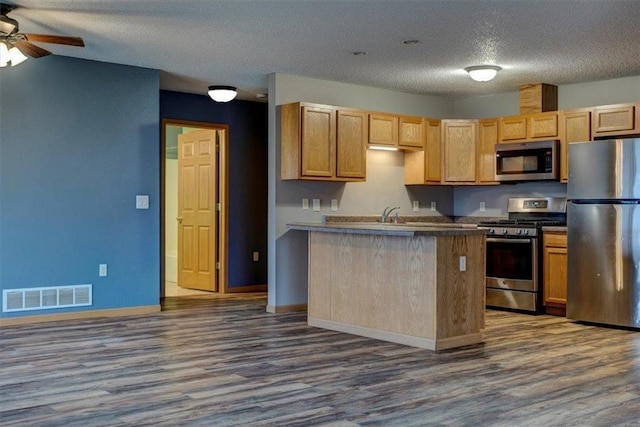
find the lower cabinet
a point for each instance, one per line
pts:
(555, 272)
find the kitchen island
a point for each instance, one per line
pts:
(416, 285)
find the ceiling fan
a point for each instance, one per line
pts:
(14, 45)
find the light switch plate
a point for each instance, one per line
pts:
(463, 263)
(142, 201)
(102, 270)
(305, 204)
(433, 206)
(416, 206)
(334, 204)
(483, 207)
(316, 205)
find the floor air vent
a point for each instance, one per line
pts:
(46, 298)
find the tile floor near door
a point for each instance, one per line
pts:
(224, 361)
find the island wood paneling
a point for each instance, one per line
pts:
(398, 288)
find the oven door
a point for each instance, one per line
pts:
(512, 263)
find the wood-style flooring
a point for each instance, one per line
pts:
(226, 362)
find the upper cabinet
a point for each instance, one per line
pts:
(487, 140)
(575, 126)
(616, 120)
(459, 142)
(425, 167)
(383, 130)
(320, 142)
(402, 132)
(529, 127)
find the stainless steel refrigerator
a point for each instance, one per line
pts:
(603, 232)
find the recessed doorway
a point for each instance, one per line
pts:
(194, 208)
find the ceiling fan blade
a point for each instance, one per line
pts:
(71, 41)
(31, 49)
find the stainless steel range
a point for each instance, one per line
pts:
(514, 252)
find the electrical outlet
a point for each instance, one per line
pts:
(142, 201)
(256, 256)
(334, 204)
(316, 205)
(102, 270)
(483, 207)
(416, 206)
(433, 206)
(463, 263)
(305, 204)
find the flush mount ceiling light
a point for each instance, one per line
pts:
(222, 93)
(483, 73)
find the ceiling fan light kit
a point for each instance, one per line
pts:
(483, 73)
(222, 93)
(16, 47)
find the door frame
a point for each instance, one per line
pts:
(223, 197)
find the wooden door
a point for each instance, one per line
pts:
(318, 142)
(459, 138)
(197, 192)
(488, 129)
(351, 144)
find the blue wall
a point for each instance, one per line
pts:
(78, 140)
(248, 167)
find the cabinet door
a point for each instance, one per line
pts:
(488, 138)
(383, 129)
(513, 128)
(351, 144)
(433, 152)
(575, 126)
(411, 133)
(459, 141)
(318, 142)
(543, 125)
(555, 270)
(614, 119)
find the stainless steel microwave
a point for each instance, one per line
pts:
(528, 161)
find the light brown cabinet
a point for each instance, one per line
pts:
(402, 132)
(575, 126)
(616, 120)
(555, 272)
(383, 130)
(320, 142)
(459, 144)
(425, 167)
(529, 127)
(487, 140)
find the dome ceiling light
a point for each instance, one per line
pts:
(483, 73)
(222, 93)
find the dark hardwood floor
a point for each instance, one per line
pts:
(226, 362)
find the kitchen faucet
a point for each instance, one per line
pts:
(387, 211)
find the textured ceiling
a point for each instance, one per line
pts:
(196, 43)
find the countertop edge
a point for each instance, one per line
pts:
(383, 229)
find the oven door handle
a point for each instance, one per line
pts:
(504, 240)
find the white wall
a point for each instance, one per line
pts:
(384, 185)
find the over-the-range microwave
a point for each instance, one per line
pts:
(528, 161)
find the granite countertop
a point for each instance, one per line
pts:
(389, 229)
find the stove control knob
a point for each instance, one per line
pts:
(518, 232)
(492, 231)
(525, 232)
(505, 231)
